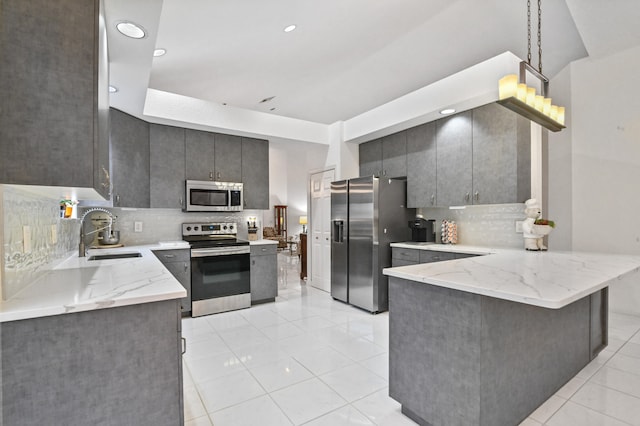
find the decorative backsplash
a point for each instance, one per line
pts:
(492, 225)
(166, 224)
(40, 214)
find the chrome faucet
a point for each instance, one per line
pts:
(82, 252)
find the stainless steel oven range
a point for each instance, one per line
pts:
(220, 268)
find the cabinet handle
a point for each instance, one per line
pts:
(477, 195)
(210, 175)
(264, 249)
(180, 201)
(117, 199)
(186, 266)
(169, 256)
(184, 345)
(466, 197)
(218, 175)
(433, 199)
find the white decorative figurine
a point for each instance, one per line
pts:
(531, 232)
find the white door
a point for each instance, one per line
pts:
(320, 238)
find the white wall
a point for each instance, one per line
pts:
(289, 165)
(604, 158)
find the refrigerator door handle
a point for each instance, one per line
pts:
(338, 231)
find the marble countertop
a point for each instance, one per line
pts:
(547, 279)
(78, 284)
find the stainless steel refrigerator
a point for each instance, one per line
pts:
(367, 214)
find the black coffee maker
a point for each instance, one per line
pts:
(422, 230)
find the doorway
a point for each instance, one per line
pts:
(319, 228)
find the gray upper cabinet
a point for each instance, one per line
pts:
(200, 153)
(454, 160)
(167, 173)
(394, 155)
(213, 156)
(130, 155)
(421, 166)
(228, 158)
(371, 158)
(501, 156)
(255, 173)
(54, 101)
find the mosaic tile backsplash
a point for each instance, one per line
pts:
(491, 225)
(41, 215)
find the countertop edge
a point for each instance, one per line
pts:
(150, 281)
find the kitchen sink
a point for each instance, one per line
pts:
(115, 256)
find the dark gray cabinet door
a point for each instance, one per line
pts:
(49, 94)
(264, 273)
(371, 158)
(501, 156)
(228, 158)
(178, 262)
(255, 173)
(394, 155)
(200, 153)
(130, 155)
(115, 366)
(421, 166)
(167, 169)
(454, 160)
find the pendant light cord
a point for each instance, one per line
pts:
(539, 34)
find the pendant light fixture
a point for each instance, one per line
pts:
(522, 99)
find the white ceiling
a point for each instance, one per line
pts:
(346, 56)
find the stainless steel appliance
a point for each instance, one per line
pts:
(209, 196)
(220, 268)
(422, 230)
(367, 214)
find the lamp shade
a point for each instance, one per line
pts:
(302, 220)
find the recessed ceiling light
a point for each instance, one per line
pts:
(289, 28)
(112, 89)
(272, 109)
(447, 111)
(130, 29)
(159, 52)
(270, 98)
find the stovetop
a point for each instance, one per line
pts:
(211, 234)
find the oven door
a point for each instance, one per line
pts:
(220, 272)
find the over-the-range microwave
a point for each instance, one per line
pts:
(209, 196)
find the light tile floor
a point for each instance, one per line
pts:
(307, 359)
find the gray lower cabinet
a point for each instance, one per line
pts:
(114, 366)
(178, 262)
(255, 173)
(421, 166)
(371, 158)
(454, 160)
(394, 155)
(501, 156)
(403, 256)
(167, 170)
(130, 156)
(200, 155)
(54, 113)
(228, 158)
(264, 273)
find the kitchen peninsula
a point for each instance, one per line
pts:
(485, 340)
(94, 342)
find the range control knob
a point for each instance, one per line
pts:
(188, 228)
(195, 228)
(230, 226)
(224, 227)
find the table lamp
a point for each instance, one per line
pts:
(303, 221)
